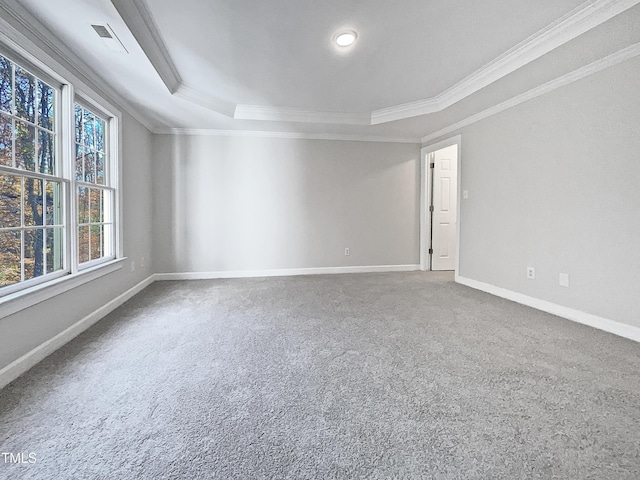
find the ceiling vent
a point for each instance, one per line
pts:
(102, 31)
(108, 36)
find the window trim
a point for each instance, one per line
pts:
(112, 178)
(28, 297)
(58, 175)
(70, 88)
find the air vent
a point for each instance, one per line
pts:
(111, 40)
(102, 31)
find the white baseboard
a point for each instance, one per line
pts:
(284, 272)
(611, 326)
(30, 359)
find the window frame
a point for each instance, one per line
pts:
(110, 182)
(57, 176)
(69, 89)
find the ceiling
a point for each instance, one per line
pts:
(272, 66)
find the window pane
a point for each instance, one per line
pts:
(79, 163)
(78, 120)
(96, 241)
(95, 206)
(83, 244)
(33, 200)
(45, 106)
(10, 201)
(5, 85)
(100, 134)
(33, 253)
(9, 258)
(54, 249)
(54, 203)
(45, 152)
(25, 146)
(89, 126)
(83, 205)
(100, 168)
(25, 95)
(89, 166)
(6, 141)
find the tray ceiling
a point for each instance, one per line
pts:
(273, 66)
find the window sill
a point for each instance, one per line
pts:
(31, 296)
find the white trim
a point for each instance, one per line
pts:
(284, 114)
(30, 359)
(205, 100)
(611, 326)
(284, 272)
(406, 110)
(67, 151)
(609, 61)
(580, 20)
(586, 16)
(116, 147)
(425, 192)
(422, 211)
(28, 297)
(290, 135)
(139, 20)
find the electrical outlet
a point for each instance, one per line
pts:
(564, 279)
(531, 273)
(142, 262)
(465, 194)
(133, 265)
(347, 252)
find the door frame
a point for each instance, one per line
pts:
(425, 197)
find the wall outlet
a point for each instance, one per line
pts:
(531, 273)
(465, 194)
(564, 279)
(142, 262)
(133, 265)
(347, 252)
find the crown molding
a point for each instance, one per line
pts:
(580, 20)
(281, 114)
(609, 61)
(139, 20)
(288, 135)
(27, 34)
(208, 101)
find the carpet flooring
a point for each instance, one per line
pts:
(367, 376)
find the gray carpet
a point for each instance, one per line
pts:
(372, 376)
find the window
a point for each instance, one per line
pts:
(31, 197)
(94, 195)
(57, 204)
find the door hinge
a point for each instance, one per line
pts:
(432, 165)
(431, 251)
(431, 208)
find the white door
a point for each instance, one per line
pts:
(445, 196)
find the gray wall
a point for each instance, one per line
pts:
(236, 203)
(555, 183)
(25, 330)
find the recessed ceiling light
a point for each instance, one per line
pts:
(345, 39)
